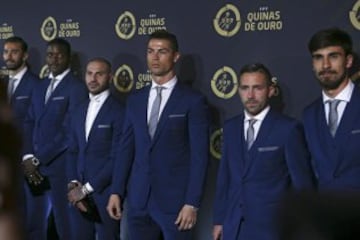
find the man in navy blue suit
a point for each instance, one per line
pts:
(20, 86)
(21, 81)
(45, 138)
(163, 154)
(95, 131)
(332, 122)
(264, 156)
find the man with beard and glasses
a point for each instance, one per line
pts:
(45, 139)
(332, 122)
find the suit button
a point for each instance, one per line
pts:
(336, 175)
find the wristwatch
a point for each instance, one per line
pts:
(35, 161)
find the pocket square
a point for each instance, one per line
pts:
(355, 131)
(21, 97)
(103, 126)
(176, 115)
(58, 98)
(268, 149)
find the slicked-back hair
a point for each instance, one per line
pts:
(163, 34)
(257, 68)
(16, 39)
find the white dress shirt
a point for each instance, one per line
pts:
(344, 96)
(165, 94)
(95, 103)
(259, 119)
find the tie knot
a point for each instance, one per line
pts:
(252, 121)
(159, 89)
(334, 103)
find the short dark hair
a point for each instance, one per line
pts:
(102, 60)
(330, 37)
(62, 43)
(16, 39)
(259, 68)
(163, 34)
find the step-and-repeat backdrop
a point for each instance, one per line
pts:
(216, 38)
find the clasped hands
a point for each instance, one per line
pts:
(76, 194)
(31, 172)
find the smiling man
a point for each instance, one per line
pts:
(332, 122)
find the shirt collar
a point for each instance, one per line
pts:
(344, 95)
(168, 85)
(60, 76)
(20, 74)
(99, 97)
(260, 116)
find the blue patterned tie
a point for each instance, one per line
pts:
(154, 114)
(333, 116)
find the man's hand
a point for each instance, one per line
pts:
(114, 207)
(81, 206)
(31, 173)
(186, 218)
(28, 166)
(76, 194)
(217, 232)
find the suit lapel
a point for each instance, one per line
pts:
(102, 114)
(264, 132)
(168, 109)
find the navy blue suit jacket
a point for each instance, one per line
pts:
(21, 98)
(173, 164)
(251, 184)
(92, 160)
(45, 125)
(336, 159)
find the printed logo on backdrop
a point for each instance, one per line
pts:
(227, 22)
(6, 31)
(123, 79)
(50, 29)
(144, 79)
(126, 25)
(44, 72)
(216, 140)
(224, 83)
(354, 15)
(263, 19)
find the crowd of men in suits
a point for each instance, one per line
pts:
(84, 153)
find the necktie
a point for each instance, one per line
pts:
(154, 114)
(11, 86)
(333, 116)
(250, 134)
(50, 89)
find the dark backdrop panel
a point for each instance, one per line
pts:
(273, 32)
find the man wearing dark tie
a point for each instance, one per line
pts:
(332, 122)
(163, 154)
(20, 86)
(95, 131)
(264, 156)
(45, 137)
